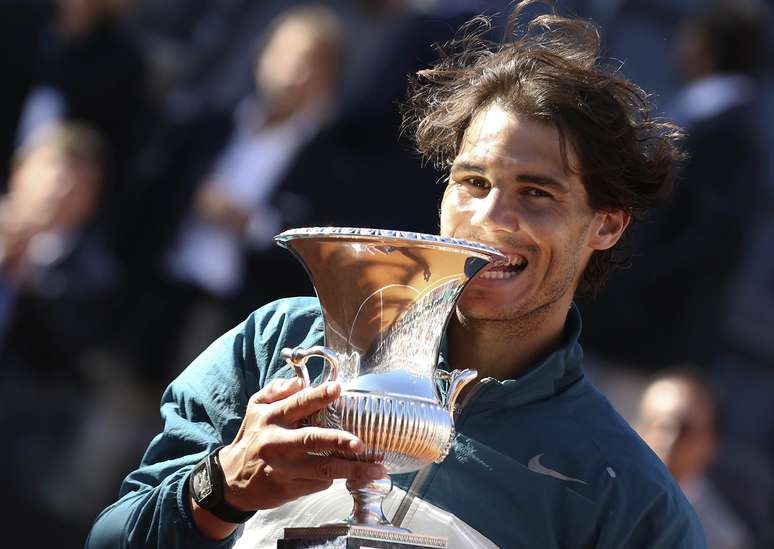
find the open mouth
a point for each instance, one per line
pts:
(504, 271)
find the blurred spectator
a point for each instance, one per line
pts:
(694, 246)
(56, 279)
(232, 205)
(51, 261)
(678, 420)
(295, 77)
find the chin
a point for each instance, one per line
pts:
(481, 310)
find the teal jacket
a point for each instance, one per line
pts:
(542, 461)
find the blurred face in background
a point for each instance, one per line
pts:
(54, 191)
(78, 17)
(295, 68)
(677, 420)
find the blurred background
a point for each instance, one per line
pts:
(150, 149)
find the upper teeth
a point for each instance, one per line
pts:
(499, 274)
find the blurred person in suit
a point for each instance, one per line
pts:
(54, 267)
(678, 418)
(694, 246)
(230, 206)
(56, 283)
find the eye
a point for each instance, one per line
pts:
(476, 182)
(536, 192)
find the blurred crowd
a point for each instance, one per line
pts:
(150, 149)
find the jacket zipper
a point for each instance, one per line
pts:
(420, 479)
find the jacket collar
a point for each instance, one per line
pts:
(550, 376)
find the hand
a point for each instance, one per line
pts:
(271, 461)
(214, 206)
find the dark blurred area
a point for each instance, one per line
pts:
(150, 149)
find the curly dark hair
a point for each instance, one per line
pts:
(551, 71)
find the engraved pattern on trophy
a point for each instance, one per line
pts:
(401, 431)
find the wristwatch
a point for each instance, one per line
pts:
(207, 486)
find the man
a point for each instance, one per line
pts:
(550, 158)
(685, 299)
(678, 419)
(51, 258)
(235, 206)
(57, 284)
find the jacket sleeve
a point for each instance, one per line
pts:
(201, 409)
(650, 517)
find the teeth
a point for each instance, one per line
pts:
(499, 275)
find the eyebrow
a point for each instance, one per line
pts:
(535, 179)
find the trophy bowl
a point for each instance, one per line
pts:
(401, 430)
(386, 298)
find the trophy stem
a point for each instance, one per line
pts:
(368, 497)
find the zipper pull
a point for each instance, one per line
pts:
(474, 390)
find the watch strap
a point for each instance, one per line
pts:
(216, 502)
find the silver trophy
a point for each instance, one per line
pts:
(386, 297)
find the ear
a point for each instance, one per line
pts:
(607, 228)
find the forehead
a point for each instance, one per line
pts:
(676, 400)
(665, 398)
(293, 36)
(500, 137)
(44, 162)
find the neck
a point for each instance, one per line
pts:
(277, 115)
(505, 349)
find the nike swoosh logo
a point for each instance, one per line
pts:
(535, 466)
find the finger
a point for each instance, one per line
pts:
(277, 389)
(307, 440)
(306, 402)
(331, 467)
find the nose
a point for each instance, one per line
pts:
(494, 213)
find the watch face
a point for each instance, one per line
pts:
(202, 486)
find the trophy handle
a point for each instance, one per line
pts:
(298, 356)
(457, 379)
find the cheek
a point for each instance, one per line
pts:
(549, 217)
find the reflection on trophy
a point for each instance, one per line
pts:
(386, 297)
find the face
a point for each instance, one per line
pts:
(508, 188)
(289, 69)
(677, 422)
(48, 185)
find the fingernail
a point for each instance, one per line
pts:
(357, 446)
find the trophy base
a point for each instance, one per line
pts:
(355, 537)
